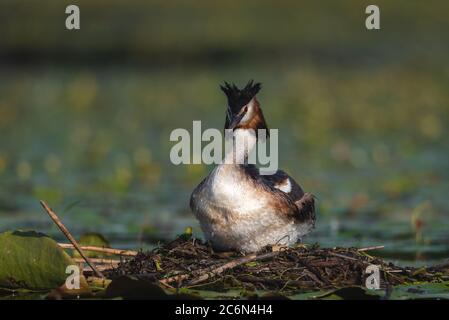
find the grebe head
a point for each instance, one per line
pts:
(243, 110)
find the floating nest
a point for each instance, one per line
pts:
(188, 262)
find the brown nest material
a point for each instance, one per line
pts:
(188, 262)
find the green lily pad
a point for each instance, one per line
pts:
(351, 293)
(421, 291)
(400, 292)
(31, 260)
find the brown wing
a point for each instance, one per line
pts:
(281, 179)
(306, 208)
(294, 204)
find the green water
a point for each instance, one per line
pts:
(95, 145)
(362, 116)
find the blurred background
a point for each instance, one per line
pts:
(85, 116)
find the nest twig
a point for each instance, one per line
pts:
(189, 262)
(69, 237)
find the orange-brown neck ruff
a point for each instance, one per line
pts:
(257, 121)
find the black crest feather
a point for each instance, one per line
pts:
(237, 98)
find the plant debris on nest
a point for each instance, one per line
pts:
(188, 262)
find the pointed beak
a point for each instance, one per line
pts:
(236, 120)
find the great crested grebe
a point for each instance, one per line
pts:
(239, 209)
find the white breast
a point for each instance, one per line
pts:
(229, 189)
(233, 215)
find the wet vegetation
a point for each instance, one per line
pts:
(186, 262)
(85, 120)
(187, 268)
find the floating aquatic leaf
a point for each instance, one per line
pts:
(421, 291)
(351, 293)
(31, 260)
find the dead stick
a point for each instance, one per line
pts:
(119, 252)
(371, 248)
(66, 232)
(204, 274)
(232, 264)
(343, 256)
(102, 267)
(99, 261)
(178, 278)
